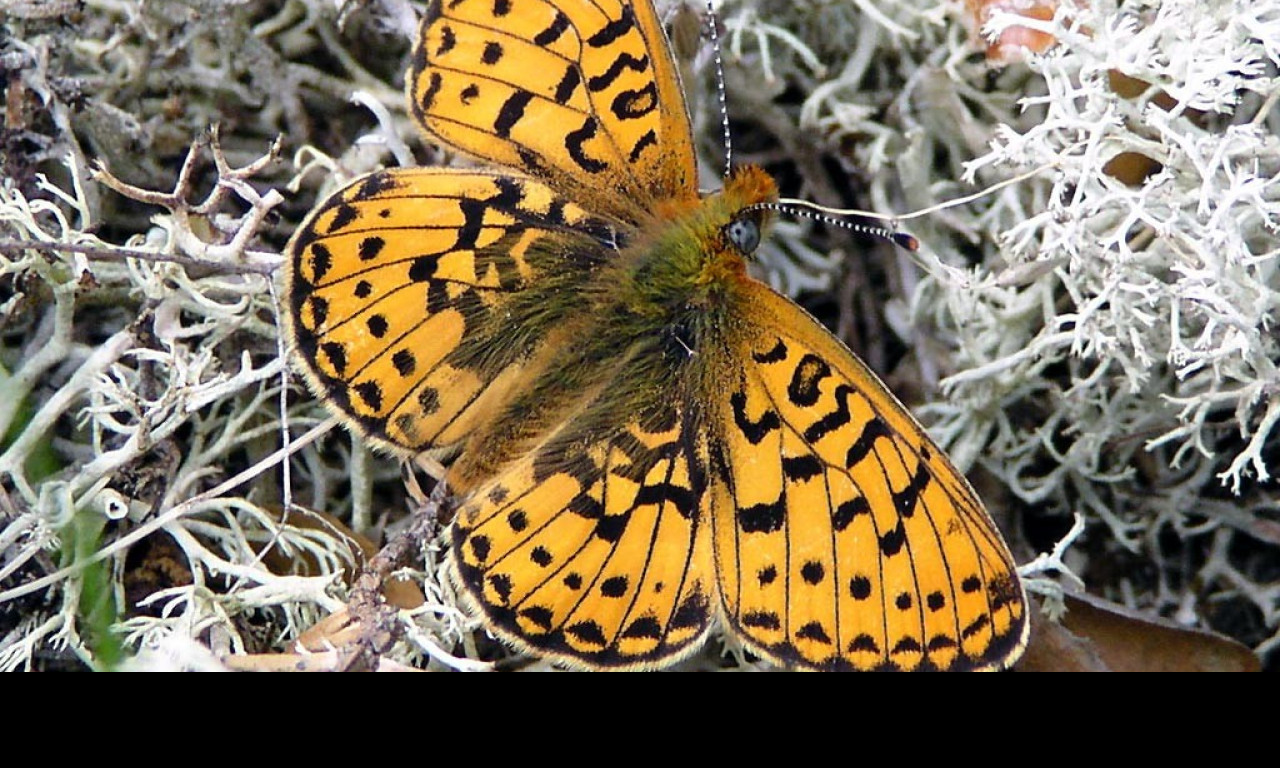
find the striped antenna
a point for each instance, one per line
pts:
(829, 216)
(833, 216)
(712, 24)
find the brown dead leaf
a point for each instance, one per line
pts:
(400, 593)
(1014, 42)
(1096, 635)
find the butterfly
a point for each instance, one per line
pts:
(646, 443)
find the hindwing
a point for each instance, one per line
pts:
(593, 548)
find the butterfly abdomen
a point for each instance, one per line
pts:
(593, 359)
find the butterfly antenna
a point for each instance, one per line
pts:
(720, 91)
(832, 215)
(819, 213)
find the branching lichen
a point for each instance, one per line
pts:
(1129, 318)
(1098, 336)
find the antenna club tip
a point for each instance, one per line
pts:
(903, 240)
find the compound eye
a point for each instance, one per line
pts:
(744, 234)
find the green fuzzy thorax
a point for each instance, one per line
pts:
(618, 337)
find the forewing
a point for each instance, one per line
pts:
(843, 537)
(405, 294)
(592, 549)
(582, 95)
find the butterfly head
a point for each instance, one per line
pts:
(727, 226)
(741, 210)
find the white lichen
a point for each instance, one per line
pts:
(1101, 343)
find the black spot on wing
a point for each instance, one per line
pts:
(510, 194)
(429, 400)
(336, 354)
(635, 104)
(753, 431)
(874, 429)
(407, 425)
(370, 393)
(423, 268)
(588, 632)
(693, 612)
(645, 627)
(763, 518)
(342, 218)
(319, 309)
(501, 584)
(814, 632)
(428, 98)
(619, 65)
(864, 644)
(541, 616)
(684, 500)
(573, 144)
(511, 113)
(834, 420)
(891, 541)
(813, 572)
(491, 54)
(762, 620)
(611, 527)
(614, 30)
(649, 139)
(798, 469)
(568, 84)
(1004, 590)
(775, 355)
(614, 586)
(448, 40)
(559, 25)
(906, 645)
(848, 510)
(473, 212)
(940, 642)
(321, 261)
(975, 626)
(585, 506)
(404, 362)
(375, 185)
(905, 500)
(803, 389)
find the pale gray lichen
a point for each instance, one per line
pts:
(1129, 321)
(1103, 347)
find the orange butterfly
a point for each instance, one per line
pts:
(646, 442)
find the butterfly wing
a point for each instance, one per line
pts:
(843, 537)
(584, 96)
(592, 549)
(410, 296)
